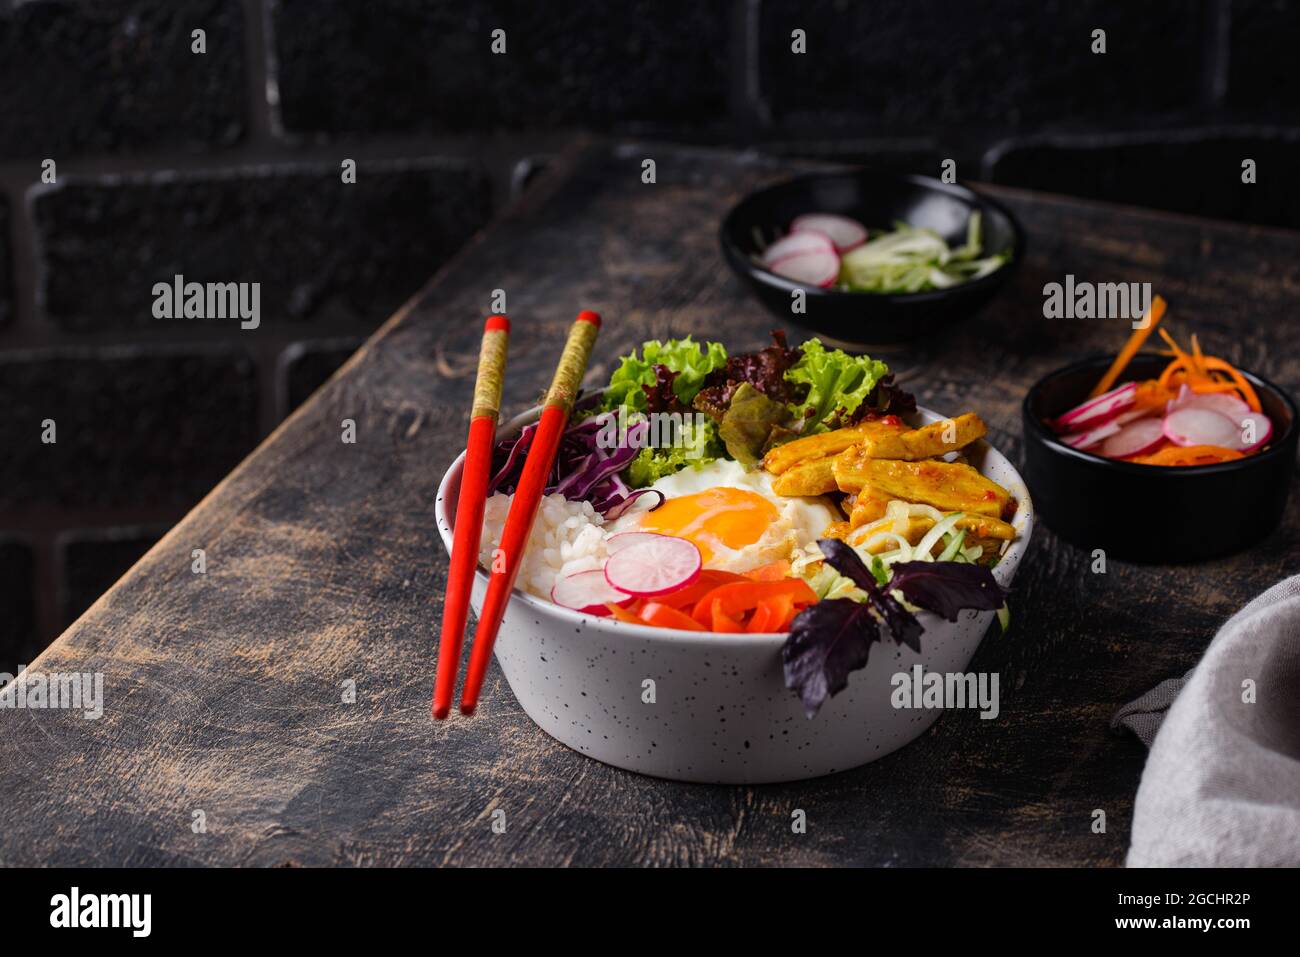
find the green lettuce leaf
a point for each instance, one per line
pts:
(691, 361)
(837, 384)
(699, 446)
(747, 425)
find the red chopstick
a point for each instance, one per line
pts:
(469, 507)
(528, 496)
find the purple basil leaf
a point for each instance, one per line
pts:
(946, 588)
(847, 562)
(903, 625)
(827, 641)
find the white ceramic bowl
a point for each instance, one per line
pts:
(721, 712)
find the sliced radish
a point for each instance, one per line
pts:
(1132, 415)
(1194, 426)
(1090, 437)
(810, 269)
(797, 244)
(623, 539)
(1262, 431)
(654, 567)
(587, 591)
(845, 233)
(1134, 439)
(1221, 402)
(1096, 411)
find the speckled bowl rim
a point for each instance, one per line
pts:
(1004, 571)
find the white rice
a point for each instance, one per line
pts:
(567, 538)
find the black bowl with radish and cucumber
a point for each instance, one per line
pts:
(1132, 473)
(871, 259)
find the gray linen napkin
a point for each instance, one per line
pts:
(1221, 787)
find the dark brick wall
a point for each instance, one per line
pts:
(225, 167)
(921, 65)
(6, 282)
(305, 367)
(119, 75)
(131, 428)
(18, 641)
(1262, 74)
(315, 244)
(1145, 170)
(584, 62)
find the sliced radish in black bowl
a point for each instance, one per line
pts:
(1079, 463)
(800, 239)
(843, 232)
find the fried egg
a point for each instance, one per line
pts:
(732, 516)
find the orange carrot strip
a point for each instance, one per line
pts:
(1189, 455)
(1248, 393)
(625, 614)
(770, 615)
(721, 621)
(1130, 349)
(1175, 348)
(1215, 385)
(782, 612)
(662, 616)
(739, 597)
(1151, 395)
(773, 572)
(1184, 361)
(1166, 379)
(708, 580)
(760, 620)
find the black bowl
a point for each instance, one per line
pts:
(877, 201)
(1153, 513)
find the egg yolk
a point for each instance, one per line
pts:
(716, 518)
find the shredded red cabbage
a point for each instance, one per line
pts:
(583, 471)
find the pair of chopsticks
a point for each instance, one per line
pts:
(538, 463)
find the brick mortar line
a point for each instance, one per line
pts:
(57, 520)
(748, 110)
(492, 156)
(179, 334)
(22, 172)
(266, 371)
(1190, 134)
(47, 569)
(1217, 37)
(259, 54)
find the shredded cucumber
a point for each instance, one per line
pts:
(925, 546)
(953, 548)
(889, 531)
(914, 259)
(904, 550)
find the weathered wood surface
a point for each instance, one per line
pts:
(223, 690)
